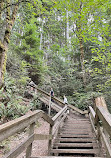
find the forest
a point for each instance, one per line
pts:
(63, 44)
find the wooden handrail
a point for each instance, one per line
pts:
(61, 112)
(101, 123)
(105, 117)
(61, 102)
(58, 119)
(14, 126)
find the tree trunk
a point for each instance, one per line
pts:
(67, 30)
(1, 7)
(82, 59)
(79, 30)
(41, 34)
(4, 46)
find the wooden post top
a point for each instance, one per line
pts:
(100, 101)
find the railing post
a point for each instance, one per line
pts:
(49, 106)
(50, 140)
(97, 124)
(29, 148)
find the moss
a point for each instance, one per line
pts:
(7, 39)
(4, 66)
(14, 16)
(1, 47)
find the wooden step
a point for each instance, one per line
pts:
(71, 130)
(62, 157)
(77, 125)
(75, 139)
(75, 151)
(77, 121)
(87, 140)
(75, 136)
(74, 132)
(73, 145)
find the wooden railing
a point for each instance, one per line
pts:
(29, 120)
(101, 122)
(60, 102)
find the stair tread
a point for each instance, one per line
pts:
(62, 157)
(75, 139)
(78, 125)
(75, 132)
(76, 136)
(73, 144)
(80, 151)
(75, 129)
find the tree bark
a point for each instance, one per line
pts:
(82, 60)
(4, 46)
(79, 30)
(1, 7)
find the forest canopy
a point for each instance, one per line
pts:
(61, 44)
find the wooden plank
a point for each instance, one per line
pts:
(73, 128)
(99, 101)
(63, 157)
(92, 123)
(50, 140)
(53, 105)
(47, 118)
(42, 137)
(17, 151)
(61, 112)
(75, 132)
(75, 151)
(106, 143)
(76, 109)
(105, 117)
(14, 126)
(78, 122)
(61, 102)
(76, 129)
(29, 148)
(78, 119)
(76, 136)
(92, 112)
(59, 123)
(74, 140)
(73, 145)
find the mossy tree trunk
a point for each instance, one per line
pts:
(10, 19)
(1, 7)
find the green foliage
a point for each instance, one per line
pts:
(57, 63)
(11, 105)
(12, 110)
(29, 51)
(35, 103)
(83, 100)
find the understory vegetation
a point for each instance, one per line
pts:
(58, 44)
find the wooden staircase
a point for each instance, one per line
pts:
(70, 134)
(75, 138)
